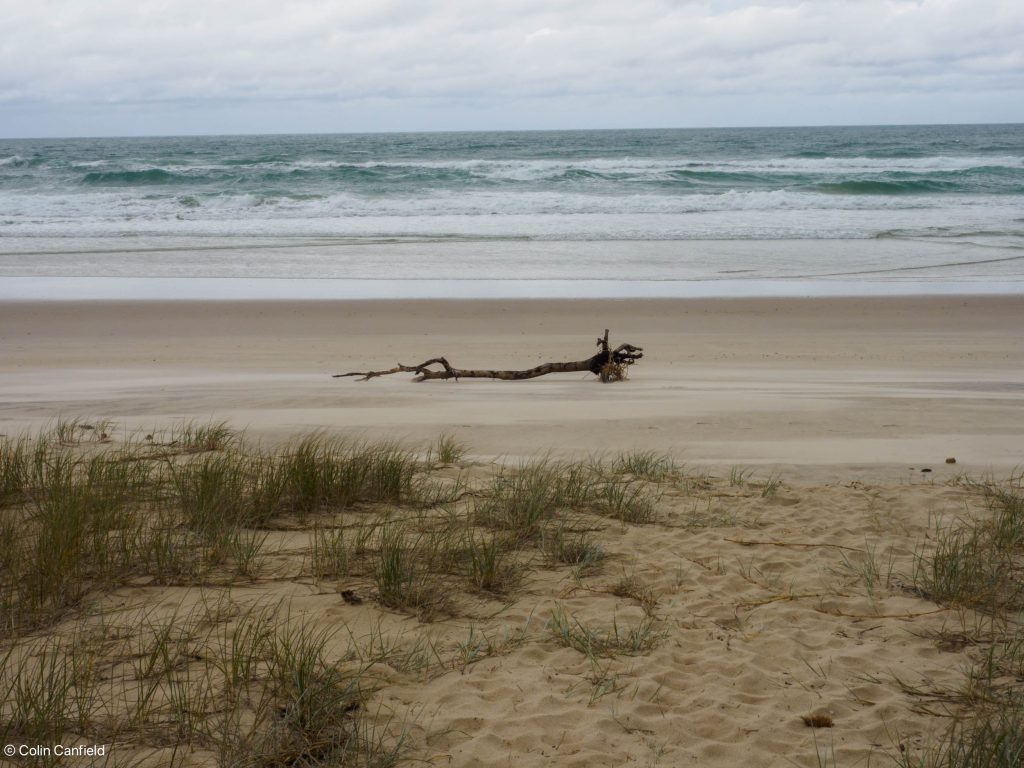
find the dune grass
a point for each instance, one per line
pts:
(199, 508)
(81, 515)
(523, 499)
(977, 564)
(594, 642)
(14, 469)
(563, 544)
(490, 562)
(402, 577)
(646, 465)
(447, 450)
(84, 516)
(993, 739)
(264, 690)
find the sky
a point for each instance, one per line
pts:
(170, 67)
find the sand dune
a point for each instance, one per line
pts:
(754, 638)
(773, 582)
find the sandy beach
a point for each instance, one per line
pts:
(721, 459)
(893, 382)
(771, 585)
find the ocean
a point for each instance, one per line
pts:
(905, 209)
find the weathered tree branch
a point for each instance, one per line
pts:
(608, 364)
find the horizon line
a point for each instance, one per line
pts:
(504, 130)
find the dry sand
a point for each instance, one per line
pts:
(761, 597)
(897, 382)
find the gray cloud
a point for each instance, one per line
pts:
(464, 63)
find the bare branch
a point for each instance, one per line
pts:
(609, 365)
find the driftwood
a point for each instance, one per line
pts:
(608, 364)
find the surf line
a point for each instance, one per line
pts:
(912, 269)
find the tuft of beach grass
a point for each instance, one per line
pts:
(594, 642)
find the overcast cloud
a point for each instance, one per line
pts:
(87, 67)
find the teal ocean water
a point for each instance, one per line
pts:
(926, 204)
